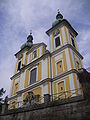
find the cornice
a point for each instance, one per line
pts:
(30, 65)
(64, 47)
(62, 23)
(64, 74)
(30, 87)
(35, 62)
(35, 47)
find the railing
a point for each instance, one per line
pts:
(50, 98)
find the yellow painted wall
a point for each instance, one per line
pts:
(38, 52)
(39, 71)
(16, 88)
(61, 90)
(59, 67)
(16, 65)
(79, 61)
(48, 66)
(26, 78)
(55, 90)
(38, 91)
(26, 59)
(71, 61)
(43, 49)
(12, 90)
(64, 60)
(61, 36)
(13, 105)
(52, 42)
(66, 34)
(69, 36)
(67, 84)
(30, 58)
(54, 67)
(9, 105)
(48, 87)
(22, 58)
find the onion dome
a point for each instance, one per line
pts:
(29, 42)
(59, 18)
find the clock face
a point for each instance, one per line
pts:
(55, 33)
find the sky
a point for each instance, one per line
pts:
(18, 17)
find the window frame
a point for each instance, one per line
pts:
(72, 40)
(36, 75)
(17, 83)
(20, 61)
(62, 66)
(17, 80)
(61, 82)
(57, 66)
(55, 42)
(33, 54)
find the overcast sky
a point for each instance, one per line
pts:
(18, 17)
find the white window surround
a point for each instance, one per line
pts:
(36, 56)
(72, 37)
(16, 81)
(56, 66)
(60, 41)
(59, 81)
(36, 75)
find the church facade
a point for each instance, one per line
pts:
(52, 71)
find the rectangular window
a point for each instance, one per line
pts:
(57, 41)
(59, 67)
(19, 65)
(61, 90)
(33, 75)
(16, 87)
(72, 40)
(34, 54)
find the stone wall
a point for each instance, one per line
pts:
(76, 108)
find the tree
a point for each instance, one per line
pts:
(2, 91)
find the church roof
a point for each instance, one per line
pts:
(30, 48)
(64, 22)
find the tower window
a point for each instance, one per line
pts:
(33, 75)
(19, 65)
(34, 54)
(57, 41)
(73, 42)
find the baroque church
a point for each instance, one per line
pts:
(43, 71)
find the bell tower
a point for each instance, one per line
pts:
(66, 59)
(61, 33)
